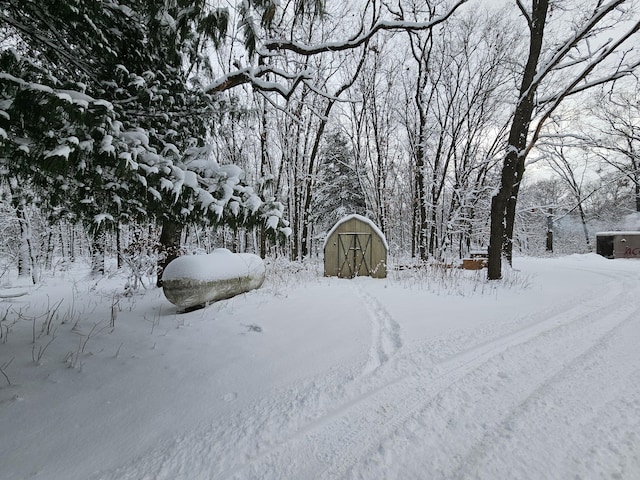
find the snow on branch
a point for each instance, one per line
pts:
(583, 32)
(575, 87)
(381, 25)
(254, 76)
(593, 83)
(74, 97)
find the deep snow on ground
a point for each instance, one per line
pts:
(427, 374)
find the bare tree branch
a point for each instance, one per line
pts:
(583, 32)
(254, 76)
(381, 25)
(572, 88)
(525, 14)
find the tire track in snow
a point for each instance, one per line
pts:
(229, 448)
(618, 328)
(386, 339)
(350, 430)
(581, 323)
(266, 428)
(408, 397)
(385, 343)
(333, 443)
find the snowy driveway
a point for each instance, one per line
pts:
(316, 378)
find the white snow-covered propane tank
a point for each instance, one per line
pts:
(195, 280)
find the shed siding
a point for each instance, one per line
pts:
(618, 244)
(345, 245)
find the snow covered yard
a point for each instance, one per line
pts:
(417, 376)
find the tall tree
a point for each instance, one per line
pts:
(339, 190)
(458, 100)
(576, 65)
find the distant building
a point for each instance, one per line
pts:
(618, 244)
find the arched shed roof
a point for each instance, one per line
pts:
(362, 219)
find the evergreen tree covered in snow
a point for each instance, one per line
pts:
(100, 113)
(339, 191)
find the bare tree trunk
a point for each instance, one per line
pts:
(549, 243)
(72, 243)
(415, 218)
(420, 180)
(169, 247)
(503, 204)
(64, 248)
(97, 250)
(49, 249)
(26, 256)
(265, 165)
(510, 214)
(313, 157)
(119, 246)
(584, 225)
(294, 209)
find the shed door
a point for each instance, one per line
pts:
(354, 254)
(604, 245)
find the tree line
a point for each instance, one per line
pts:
(258, 126)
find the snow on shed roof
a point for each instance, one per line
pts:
(614, 232)
(362, 219)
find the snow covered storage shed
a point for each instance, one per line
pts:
(618, 244)
(355, 247)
